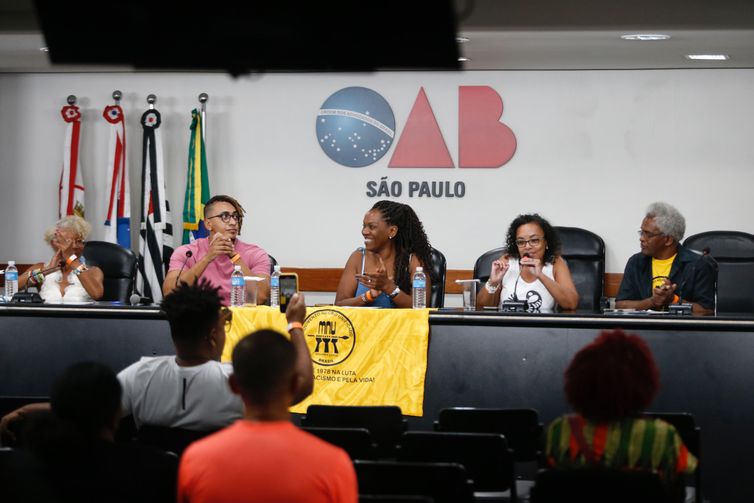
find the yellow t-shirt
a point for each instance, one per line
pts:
(661, 270)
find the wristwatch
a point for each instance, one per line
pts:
(491, 289)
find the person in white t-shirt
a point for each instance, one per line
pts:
(531, 269)
(189, 390)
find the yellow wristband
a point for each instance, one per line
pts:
(294, 325)
(235, 258)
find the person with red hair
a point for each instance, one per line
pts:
(609, 383)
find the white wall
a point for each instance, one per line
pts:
(594, 149)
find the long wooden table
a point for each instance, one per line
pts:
(475, 359)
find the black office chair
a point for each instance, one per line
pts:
(584, 251)
(357, 442)
(174, 440)
(273, 263)
(596, 485)
(483, 264)
(384, 422)
(439, 268)
(691, 435)
(443, 482)
(734, 253)
(486, 457)
(521, 427)
(118, 265)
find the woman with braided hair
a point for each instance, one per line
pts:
(379, 274)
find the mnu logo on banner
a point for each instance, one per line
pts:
(356, 128)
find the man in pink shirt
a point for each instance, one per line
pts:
(264, 457)
(214, 257)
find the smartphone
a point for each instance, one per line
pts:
(288, 286)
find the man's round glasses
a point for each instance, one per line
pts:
(535, 241)
(226, 216)
(648, 235)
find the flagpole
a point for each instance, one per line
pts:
(117, 95)
(203, 98)
(151, 99)
(71, 99)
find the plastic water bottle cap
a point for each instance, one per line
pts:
(277, 268)
(236, 267)
(419, 269)
(11, 262)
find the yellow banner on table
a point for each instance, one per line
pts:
(360, 356)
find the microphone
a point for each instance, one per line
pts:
(515, 305)
(189, 254)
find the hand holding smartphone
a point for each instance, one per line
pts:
(288, 287)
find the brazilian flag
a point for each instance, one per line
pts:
(197, 183)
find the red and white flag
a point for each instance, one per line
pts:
(71, 195)
(118, 217)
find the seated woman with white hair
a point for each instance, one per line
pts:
(66, 277)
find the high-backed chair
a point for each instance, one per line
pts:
(439, 267)
(521, 427)
(118, 264)
(384, 422)
(734, 253)
(443, 482)
(486, 457)
(174, 440)
(599, 486)
(357, 442)
(585, 253)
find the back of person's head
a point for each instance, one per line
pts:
(613, 378)
(264, 366)
(192, 311)
(87, 398)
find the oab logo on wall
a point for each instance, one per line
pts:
(356, 128)
(330, 336)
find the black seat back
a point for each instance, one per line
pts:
(439, 269)
(584, 251)
(599, 486)
(521, 427)
(118, 265)
(384, 422)
(169, 439)
(443, 482)
(486, 456)
(357, 442)
(734, 253)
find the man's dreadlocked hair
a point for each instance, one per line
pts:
(230, 200)
(409, 239)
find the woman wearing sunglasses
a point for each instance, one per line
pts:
(531, 270)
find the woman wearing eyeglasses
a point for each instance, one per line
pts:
(214, 257)
(531, 270)
(66, 278)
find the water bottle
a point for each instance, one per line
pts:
(419, 289)
(11, 279)
(237, 287)
(275, 287)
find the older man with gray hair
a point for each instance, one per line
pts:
(665, 272)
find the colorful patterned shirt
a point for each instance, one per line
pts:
(631, 444)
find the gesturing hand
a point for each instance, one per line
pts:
(377, 280)
(220, 245)
(663, 294)
(296, 310)
(498, 270)
(534, 264)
